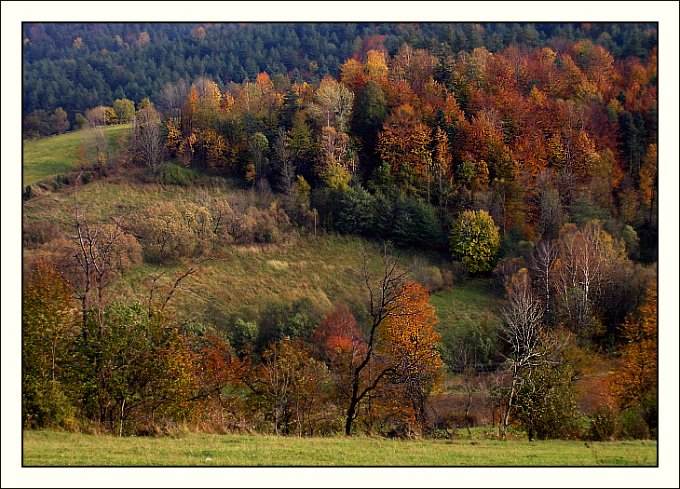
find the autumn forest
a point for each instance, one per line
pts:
(421, 231)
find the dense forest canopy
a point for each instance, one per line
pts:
(77, 66)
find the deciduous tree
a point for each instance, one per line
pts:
(475, 241)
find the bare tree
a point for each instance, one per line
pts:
(99, 253)
(545, 256)
(382, 302)
(96, 145)
(147, 138)
(523, 331)
(171, 99)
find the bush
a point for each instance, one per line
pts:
(47, 406)
(173, 174)
(261, 226)
(39, 232)
(604, 424)
(242, 334)
(280, 320)
(428, 275)
(633, 425)
(170, 230)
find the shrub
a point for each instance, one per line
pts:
(633, 425)
(173, 174)
(280, 320)
(39, 232)
(428, 275)
(46, 405)
(170, 230)
(604, 424)
(242, 334)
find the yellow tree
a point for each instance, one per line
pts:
(637, 378)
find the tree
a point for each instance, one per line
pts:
(546, 399)
(100, 115)
(336, 164)
(637, 377)
(284, 162)
(404, 144)
(369, 114)
(289, 386)
(475, 241)
(333, 105)
(543, 261)
(408, 341)
(588, 261)
(523, 331)
(48, 327)
(399, 342)
(648, 180)
(60, 122)
(257, 146)
(147, 139)
(124, 109)
(441, 166)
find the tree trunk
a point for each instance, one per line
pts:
(351, 412)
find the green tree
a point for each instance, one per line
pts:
(48, 321)
(369, 114)
(546, 401)
(59, 121)
(124, 109)
(475, 241)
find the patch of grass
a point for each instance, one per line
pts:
(243, 279)
(474, 301)
(103, 199)
(55, 155)
(49, 448)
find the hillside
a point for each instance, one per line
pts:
(417, 230)
(48, 157)
(245, 278)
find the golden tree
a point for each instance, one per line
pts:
(637, 378)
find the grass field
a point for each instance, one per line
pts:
(50, 156)
(49, 448)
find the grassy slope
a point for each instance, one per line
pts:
(50, 156)
(48, 448)
(243, 278)
(472, 302)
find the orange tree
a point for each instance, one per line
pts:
(399, 344)
(635, 384)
